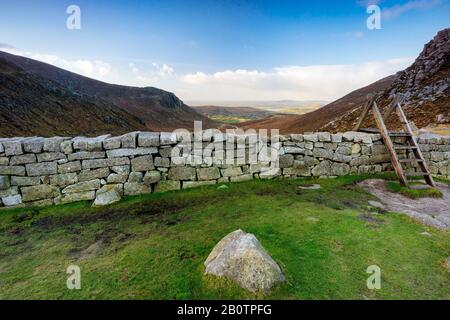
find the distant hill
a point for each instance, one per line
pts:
(425, 86)
(150, 108)
(32, 105)
(275, 106)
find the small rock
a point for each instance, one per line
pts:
(92, 251)
(240, 257)
(222, 187)
(310, 187)
(106, 198)
(12, 200)
(426, 234)
(376, 204)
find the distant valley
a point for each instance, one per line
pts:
(234, 112)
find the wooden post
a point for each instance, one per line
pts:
(370, 100)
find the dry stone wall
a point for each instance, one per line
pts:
(58, 170)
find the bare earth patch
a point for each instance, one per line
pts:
(430, 211)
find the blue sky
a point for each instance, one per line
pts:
(226, 50)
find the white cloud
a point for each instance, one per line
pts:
(320, 82)
(157, 75)
(96, 69)
(164, 70)
(399, 9)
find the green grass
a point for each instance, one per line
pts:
(154, 246)
(414, 193)
(443, 180)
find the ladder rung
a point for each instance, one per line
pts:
(391, 133)
(412, 174)
(411, 160)
(369, 130)
(415, 174)
(399, 134)
(404, 147)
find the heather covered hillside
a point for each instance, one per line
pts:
(39, 99)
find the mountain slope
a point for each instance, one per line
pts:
(425, 86)
(32, 105)
(158, 109)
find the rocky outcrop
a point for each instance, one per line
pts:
(240, 257)
(427, 79)
(43, 171)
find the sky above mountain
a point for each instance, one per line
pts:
(226, 50)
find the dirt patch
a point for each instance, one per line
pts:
(146, 211)
(430, 211)
(265, 192)
(122, 237)
(29, 215)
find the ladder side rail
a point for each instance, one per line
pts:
(370, 100)
(390, 146)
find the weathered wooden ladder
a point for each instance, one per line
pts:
(386, 135)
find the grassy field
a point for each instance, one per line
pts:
(154, 246)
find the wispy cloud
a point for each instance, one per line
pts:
(163, 70)
(133, 68)
(400, 9)
(366, 3)
(358, 34)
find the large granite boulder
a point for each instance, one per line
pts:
(240, 257)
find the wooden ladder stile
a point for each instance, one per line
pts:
(386, 136)
(416, 149)
(389, 145)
